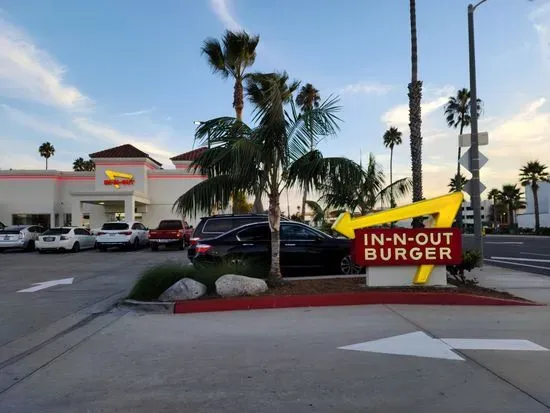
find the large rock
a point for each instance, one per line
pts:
(184, 289)
(232, 285)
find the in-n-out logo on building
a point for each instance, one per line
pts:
(404, 246)
(118, 178)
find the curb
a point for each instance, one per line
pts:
(159, 307)
(342, 299)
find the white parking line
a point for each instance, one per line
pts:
(520, 259)
(534, 253)
(517, 263)
(504, 242)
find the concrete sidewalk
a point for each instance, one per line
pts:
(522, 284)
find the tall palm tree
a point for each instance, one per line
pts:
(532, 174)
(512, 196)
(392, 138)
(273, 155)
(457, 185)
(232, 57)
(494, 195)
(46, 150)
(307, 99)
(457, 115)
(415, 116)
(363, 194)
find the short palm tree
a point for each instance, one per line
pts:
(494, 195)
(80, 164)
(362, 195)
(457, 185)
(307, 99)
(415, 116)
(274, 155)
(392, 138)
(512, 196)
(532, 174)
(232, 57)
(46, 150)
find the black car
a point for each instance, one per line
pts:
(216, 225)
(303, 249)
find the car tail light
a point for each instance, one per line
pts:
(149, 235)
(101, 233)
(64, 238)
(126, 233)
(180, 233)
(194, 241)
(202, 248)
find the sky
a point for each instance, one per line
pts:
(87, 76)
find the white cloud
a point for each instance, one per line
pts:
(366, 88)
(540, 19)
(39, 125)
(29, 73)
(221, 9)
(139, 112)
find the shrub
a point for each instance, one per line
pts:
(455, 273)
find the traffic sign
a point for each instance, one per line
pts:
(466, 139)
(466, 163)
(468, 188)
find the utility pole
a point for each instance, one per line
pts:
(474, 149)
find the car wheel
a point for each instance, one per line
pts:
(181, 246)
(30, 246)
(347, 266)
(135, 246)
(40, 251)
(76, 247)
(154, 246)
(102, 248)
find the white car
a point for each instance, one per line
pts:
(131, 235)
(65, 239)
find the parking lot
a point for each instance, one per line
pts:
(99, 278)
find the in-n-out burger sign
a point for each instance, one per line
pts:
(124, 178)
(405, 246)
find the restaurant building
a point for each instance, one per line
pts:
(127, 184)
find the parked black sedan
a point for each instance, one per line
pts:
(303, 249)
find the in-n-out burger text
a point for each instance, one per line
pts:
(117, 182)
(398, 246)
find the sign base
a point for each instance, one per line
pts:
(403, 276)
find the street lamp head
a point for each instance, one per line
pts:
(198, 122)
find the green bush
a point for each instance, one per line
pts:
(470, 260)
(154, 281)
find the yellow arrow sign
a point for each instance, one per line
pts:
(113, 174)
(443, 209)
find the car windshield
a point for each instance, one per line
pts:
(114, 226)
(170, 225)
(11, 230)
(57, 231)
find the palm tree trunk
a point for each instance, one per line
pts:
(415, 116)
(458, 180)
(46, 163)
(510, 216)
(275, 226)
(392, 200)
(238, 99)
(304, 199)
(536, 199)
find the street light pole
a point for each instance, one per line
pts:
(474, 149)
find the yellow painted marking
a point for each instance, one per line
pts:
(443, 209)
(113, 174)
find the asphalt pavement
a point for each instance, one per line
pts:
(519, 252)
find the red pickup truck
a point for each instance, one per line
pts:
(170, 232)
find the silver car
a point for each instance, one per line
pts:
(19, 237)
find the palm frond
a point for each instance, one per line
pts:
(318, 212)
(401, 188)
(213, 49)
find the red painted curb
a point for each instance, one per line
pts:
(339, 299)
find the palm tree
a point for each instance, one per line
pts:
(80, 164)
(273, 155)
(363, 194)
(392, 138)
(46, 150)
(232, 57)
(415, 116)
(494, 195)
(532, 174)
(457, 185)
(512, 196)
(307, 99)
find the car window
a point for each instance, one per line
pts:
(297, 233)
(80, 231)
(239, 222)
(114, 226)
(170, 224)
(136, 226)
(142, 227)
(254, 233)
(57, 231)
(218, 225)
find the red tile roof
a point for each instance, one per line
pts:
(123, 151)
(189, 156)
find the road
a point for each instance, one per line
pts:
(523, 253)
(99, 280)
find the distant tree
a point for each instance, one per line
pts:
(46, 150)
(80, 164)
(494, 195)
(241, 204)
(392, 138)
(457, 185)
(512, 196)
(532, 174)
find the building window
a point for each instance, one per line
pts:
(31, 219)
(67, 220)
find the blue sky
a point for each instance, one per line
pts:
(91, 75)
